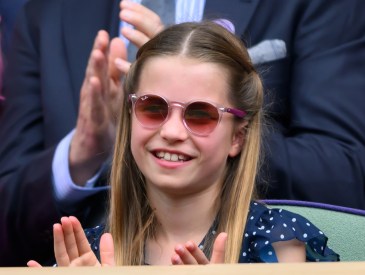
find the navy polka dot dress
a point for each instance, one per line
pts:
(264, 227)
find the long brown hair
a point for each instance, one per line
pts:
(131, 219)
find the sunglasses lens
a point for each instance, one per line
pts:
(201, 117)
(151, 111)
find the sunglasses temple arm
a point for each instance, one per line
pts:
(236, 112)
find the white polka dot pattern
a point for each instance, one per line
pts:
(264, 227)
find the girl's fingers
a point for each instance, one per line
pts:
(88, 259)
(196, 253)
(191, 254)
(107, 250)
(81, 240)
(60, 251)
(32, 263)
(185, 255)
(219, 249)
(69, 238)
(176, 260)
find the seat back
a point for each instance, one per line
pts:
(344, 227)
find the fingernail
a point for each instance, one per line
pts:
(179, 248)
(176, 259)
(189, 245)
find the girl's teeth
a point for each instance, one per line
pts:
(170, 157)
(167, 156)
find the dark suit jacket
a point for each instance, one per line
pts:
(314, 151)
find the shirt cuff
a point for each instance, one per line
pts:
(66, 191)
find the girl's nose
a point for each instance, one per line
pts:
(174, 129)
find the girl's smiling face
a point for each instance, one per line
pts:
(173, 160)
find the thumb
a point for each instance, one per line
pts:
(219, 249)
(107, 250)
(117, 50)
(33, 264)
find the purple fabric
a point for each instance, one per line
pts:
(349, 210)
(226, 24)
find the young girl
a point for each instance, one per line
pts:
(185, 164)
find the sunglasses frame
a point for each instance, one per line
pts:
(133, 98)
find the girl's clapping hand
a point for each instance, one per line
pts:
(189, 253)
(72, 248)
